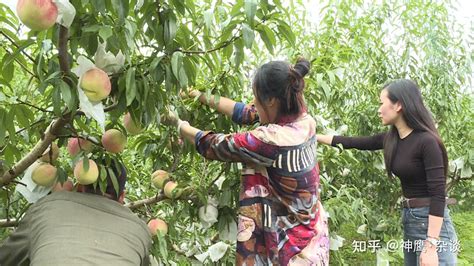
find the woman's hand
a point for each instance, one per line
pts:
(171, 118)
(190, 93)
(429, 255)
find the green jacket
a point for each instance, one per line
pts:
(71, 228)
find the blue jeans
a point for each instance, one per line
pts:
(415, 228)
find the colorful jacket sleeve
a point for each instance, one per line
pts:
(245, 114)
(236, 147)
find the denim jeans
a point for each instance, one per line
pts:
(415, 228)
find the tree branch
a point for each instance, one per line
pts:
(225, 44)
(62, 53)
(53, 130)
(33, 106)
(17, 46)
(9, 222)
(139, 203)
(22, 66)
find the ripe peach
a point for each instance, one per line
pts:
(157, 225)
(37, 14)
(68, 185)
(75, 145)
(171, 191)
(47, 157)
(114, 141)
(44, 174)
(86, 177)
(96, 84)
(159, 177)
(130, 125)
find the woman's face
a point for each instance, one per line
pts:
(268, 111)
(389, 112)
(262, 113)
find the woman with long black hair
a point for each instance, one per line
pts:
(414, 152)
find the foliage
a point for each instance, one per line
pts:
(355, 47)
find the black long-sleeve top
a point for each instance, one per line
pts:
(418, 162)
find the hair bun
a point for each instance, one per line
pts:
(302, 67)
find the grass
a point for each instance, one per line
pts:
(463, 222)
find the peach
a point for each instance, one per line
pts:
(75, 145)
(68, 185)
(159, 177)
(37, 14)
(86, 177)
(114, 141)
(96, 84)
(130, 125)
(157, 225)
(48, 157)
(171, 191)
(44, 174)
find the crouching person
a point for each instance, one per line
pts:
(86, 227)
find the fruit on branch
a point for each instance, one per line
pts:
(51, 154)
(37, 14)
(68, 185)
(96, 84)
(86, 177)
(75, 145)
(159, 178)
(130, 125)
(171, 190)
(44, 174)
(157, 225)
(114, 140)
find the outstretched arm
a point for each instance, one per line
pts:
(324, 139)
(224, 105)
(187, 131)
(240, 113)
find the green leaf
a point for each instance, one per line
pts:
(176, 61)
(162, 245)
(105, 32)
(3, 129)
(208, 16)
(250, 10)
(57, 101)
(99, 5)
(92, 28)
(8, 71)
(23, 115)
(114, 180)
(180, 6)
(170, 29)
(85, 163)
(67, 95)
(103, 173)
(267, 36)
(248, 35)
(131, 86)
(61, 175)
(155, 63)
(121, 7)
(239, 52)
(285, 30)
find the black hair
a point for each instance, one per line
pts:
(415, 114)
(280, 80)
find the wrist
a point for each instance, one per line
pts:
(431, 243)
(180, 124)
